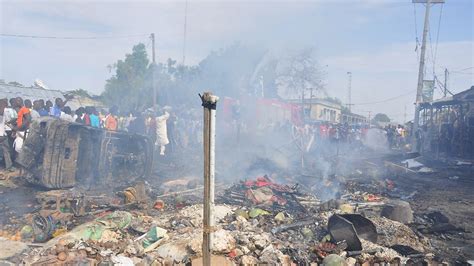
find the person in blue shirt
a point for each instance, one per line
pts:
(41, 108)
(55, 110)
(94, 117)
(58, 106)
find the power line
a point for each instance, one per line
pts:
(185, 29)
(467, 68)
(416, 31)
(386, 100)
(462, 73)
(71, 38)
(434, 52)
(437, 34)
(440, 84)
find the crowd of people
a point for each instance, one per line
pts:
(397, 136)
(163, 127)
(169, 130)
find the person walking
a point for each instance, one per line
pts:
(162, 132)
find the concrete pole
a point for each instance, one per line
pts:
(445, 82)
(209, 103)
(152, 37)
(349, 91)
(421, 69)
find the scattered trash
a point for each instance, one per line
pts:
(263, 191)
(255, 212)
(399, 211)
(280, 217)
(261, 222)
(462, 163)
(159, 205)
(152, 238)
(425, 170)
(116, 220)
(10, 248)
(333, 260)
(412, 163)
(350, 228)
(282, 228)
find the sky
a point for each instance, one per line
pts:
(375, 40)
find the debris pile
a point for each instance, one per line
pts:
(265, 193)
(257, 221)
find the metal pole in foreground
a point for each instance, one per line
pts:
(209, 102)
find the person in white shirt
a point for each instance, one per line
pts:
(4, 143)
(10, 115)
(66, 114)
(33, 111)
(162, 132)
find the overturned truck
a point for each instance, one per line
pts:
(59, 154)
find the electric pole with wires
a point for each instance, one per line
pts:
(153, 69)
(446, 73)
(421, 69)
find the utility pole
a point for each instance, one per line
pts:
(153, 69)
(421, 69)
(369, 119)
(349, 96)
(446, 73)
(310, 102)
(185, 29)
(405, 115)
(302, 106)
(209, 102)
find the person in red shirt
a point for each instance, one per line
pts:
(111, 122)
(24, 115)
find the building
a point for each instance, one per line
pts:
(32, 93)
(35, 93)
(83, 101)
(351, 118)
(320, 110)
(447, 126)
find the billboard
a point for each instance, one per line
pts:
(427, 91)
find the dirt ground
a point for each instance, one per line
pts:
(454, 198)
(449, 190)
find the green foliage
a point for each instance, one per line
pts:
(14, 83)
(129, 87)
(80, 92)
(234, 72)
(381, 118)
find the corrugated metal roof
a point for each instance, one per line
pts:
(31, 93)
(79, 101)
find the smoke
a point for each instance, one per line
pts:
(376, 140)
(256, 131)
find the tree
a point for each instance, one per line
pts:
(297, 72)
(381, 118)
(130, 87)
(80, 92)
(14, 83)
(229, 71)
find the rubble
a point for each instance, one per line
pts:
(258, 221)
(399, 211)
(10, 248)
